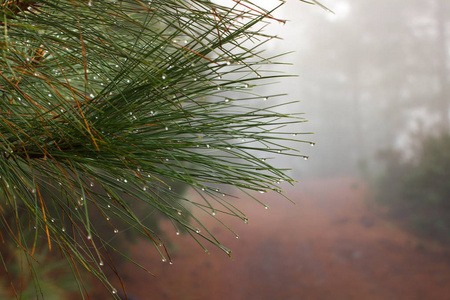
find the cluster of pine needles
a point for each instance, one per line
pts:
(107, 103)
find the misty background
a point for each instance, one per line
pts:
(373, 76)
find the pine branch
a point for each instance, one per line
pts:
(106, 104)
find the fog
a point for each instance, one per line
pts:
(372, 75)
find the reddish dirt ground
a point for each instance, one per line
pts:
(331, 245)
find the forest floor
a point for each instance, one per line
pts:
(333, 244)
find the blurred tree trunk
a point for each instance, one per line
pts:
(358, 118)
(441, 19)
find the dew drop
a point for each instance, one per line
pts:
(144, 188)
(116, 230)
(227, 100)
(91, 95)
(89, 237)
(213, 213)
(237, 236)
(312, 144)
(163, 260)
(178, 233)
(305, 157)
(100, 263)
(266, 98)
(207, 146)
(167, 128)
(266, 207)
(197, 231)
(91, 184)
(163, 76)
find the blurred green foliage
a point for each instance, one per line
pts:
(417, 190)
(56, 278)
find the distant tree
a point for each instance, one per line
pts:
(417, 190)
(111, 106)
